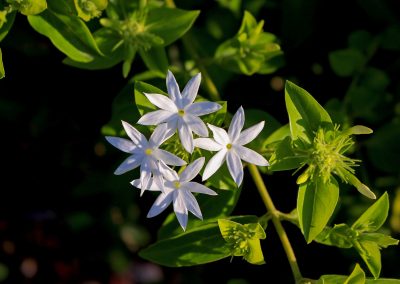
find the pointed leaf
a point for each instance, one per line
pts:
(369, 252)
(155, 59)
(339, 236)
(5, 28)
(283, 157)
(316, 202)
(356, 277)
(255, 255)
(382, 240)
(372, 219)
(2, 72)
(306, 115)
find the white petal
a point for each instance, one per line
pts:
(191, 204)
(250, 134)
(180, 208)
(208, 144)
(145, 175)
(130, 163)
(185, 135)
(235, 167)
(192, 170)
(160, 134)
(173, 90)
(122, 144)
(156, 117)
(168, 173)
(189, 93)
(162, 202)
(236, 124)
(250, 156)
(199, 188)
(196, 125)
(202, 108)
(134, 134)
(214, 164)
(162, 102)
(153, 186)
(220, 135)
(168, 158)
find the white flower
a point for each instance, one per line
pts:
(178, 190)
(230, 147)
(179, 111)
(144, 153)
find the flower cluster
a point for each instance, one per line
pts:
(180, 113)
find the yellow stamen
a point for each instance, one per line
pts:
(181, 112)
(148, 151)
(177, 184)
(229, 146)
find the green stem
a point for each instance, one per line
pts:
(262, 189)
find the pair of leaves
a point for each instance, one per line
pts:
(251, 50)
(356, 277)
(362, 235)
(198, 245)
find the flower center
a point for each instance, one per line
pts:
(181, 112)
(228, 146)
(148, 151)
(177, 184)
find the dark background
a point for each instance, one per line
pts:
(64, 217)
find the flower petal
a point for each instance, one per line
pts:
(191, 204)
(168, 158)
(145, 175)
(168, 173)
(199, 188)
(162, 102)
(122, 144)
(196, 125)
(162, 202)
(220, 135)
(134, 134)
(236, 124)
(156, 117)
(207, 144)
(250, 156)
(189, 93)
(130, 163)
(180, 209)
(185, 135)
(202, 108)
(153, 186)
(235, 167)
(173, 90)
(160, 134)
(192, 170)
(250, 134)
(214, 164)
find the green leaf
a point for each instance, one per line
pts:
(316, 202)
(369, 252)
(2, 72)
(202, 244)
(374, 217)
(32, 7)
(356, 277)
(218, 206)
(284, 158)
(346, 62)
(339, 279)
(106, 40)
(255, 255)
(155, 59)
(382, 240)
(96, 7)
(68, 33)
(339, 236)
(360, 40)
(306, 115)
(9, 21)
(278, 135)
(170, 24)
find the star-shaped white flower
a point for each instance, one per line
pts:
(230, 147)
(144, 153)
(179, 110)
(178, 190)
